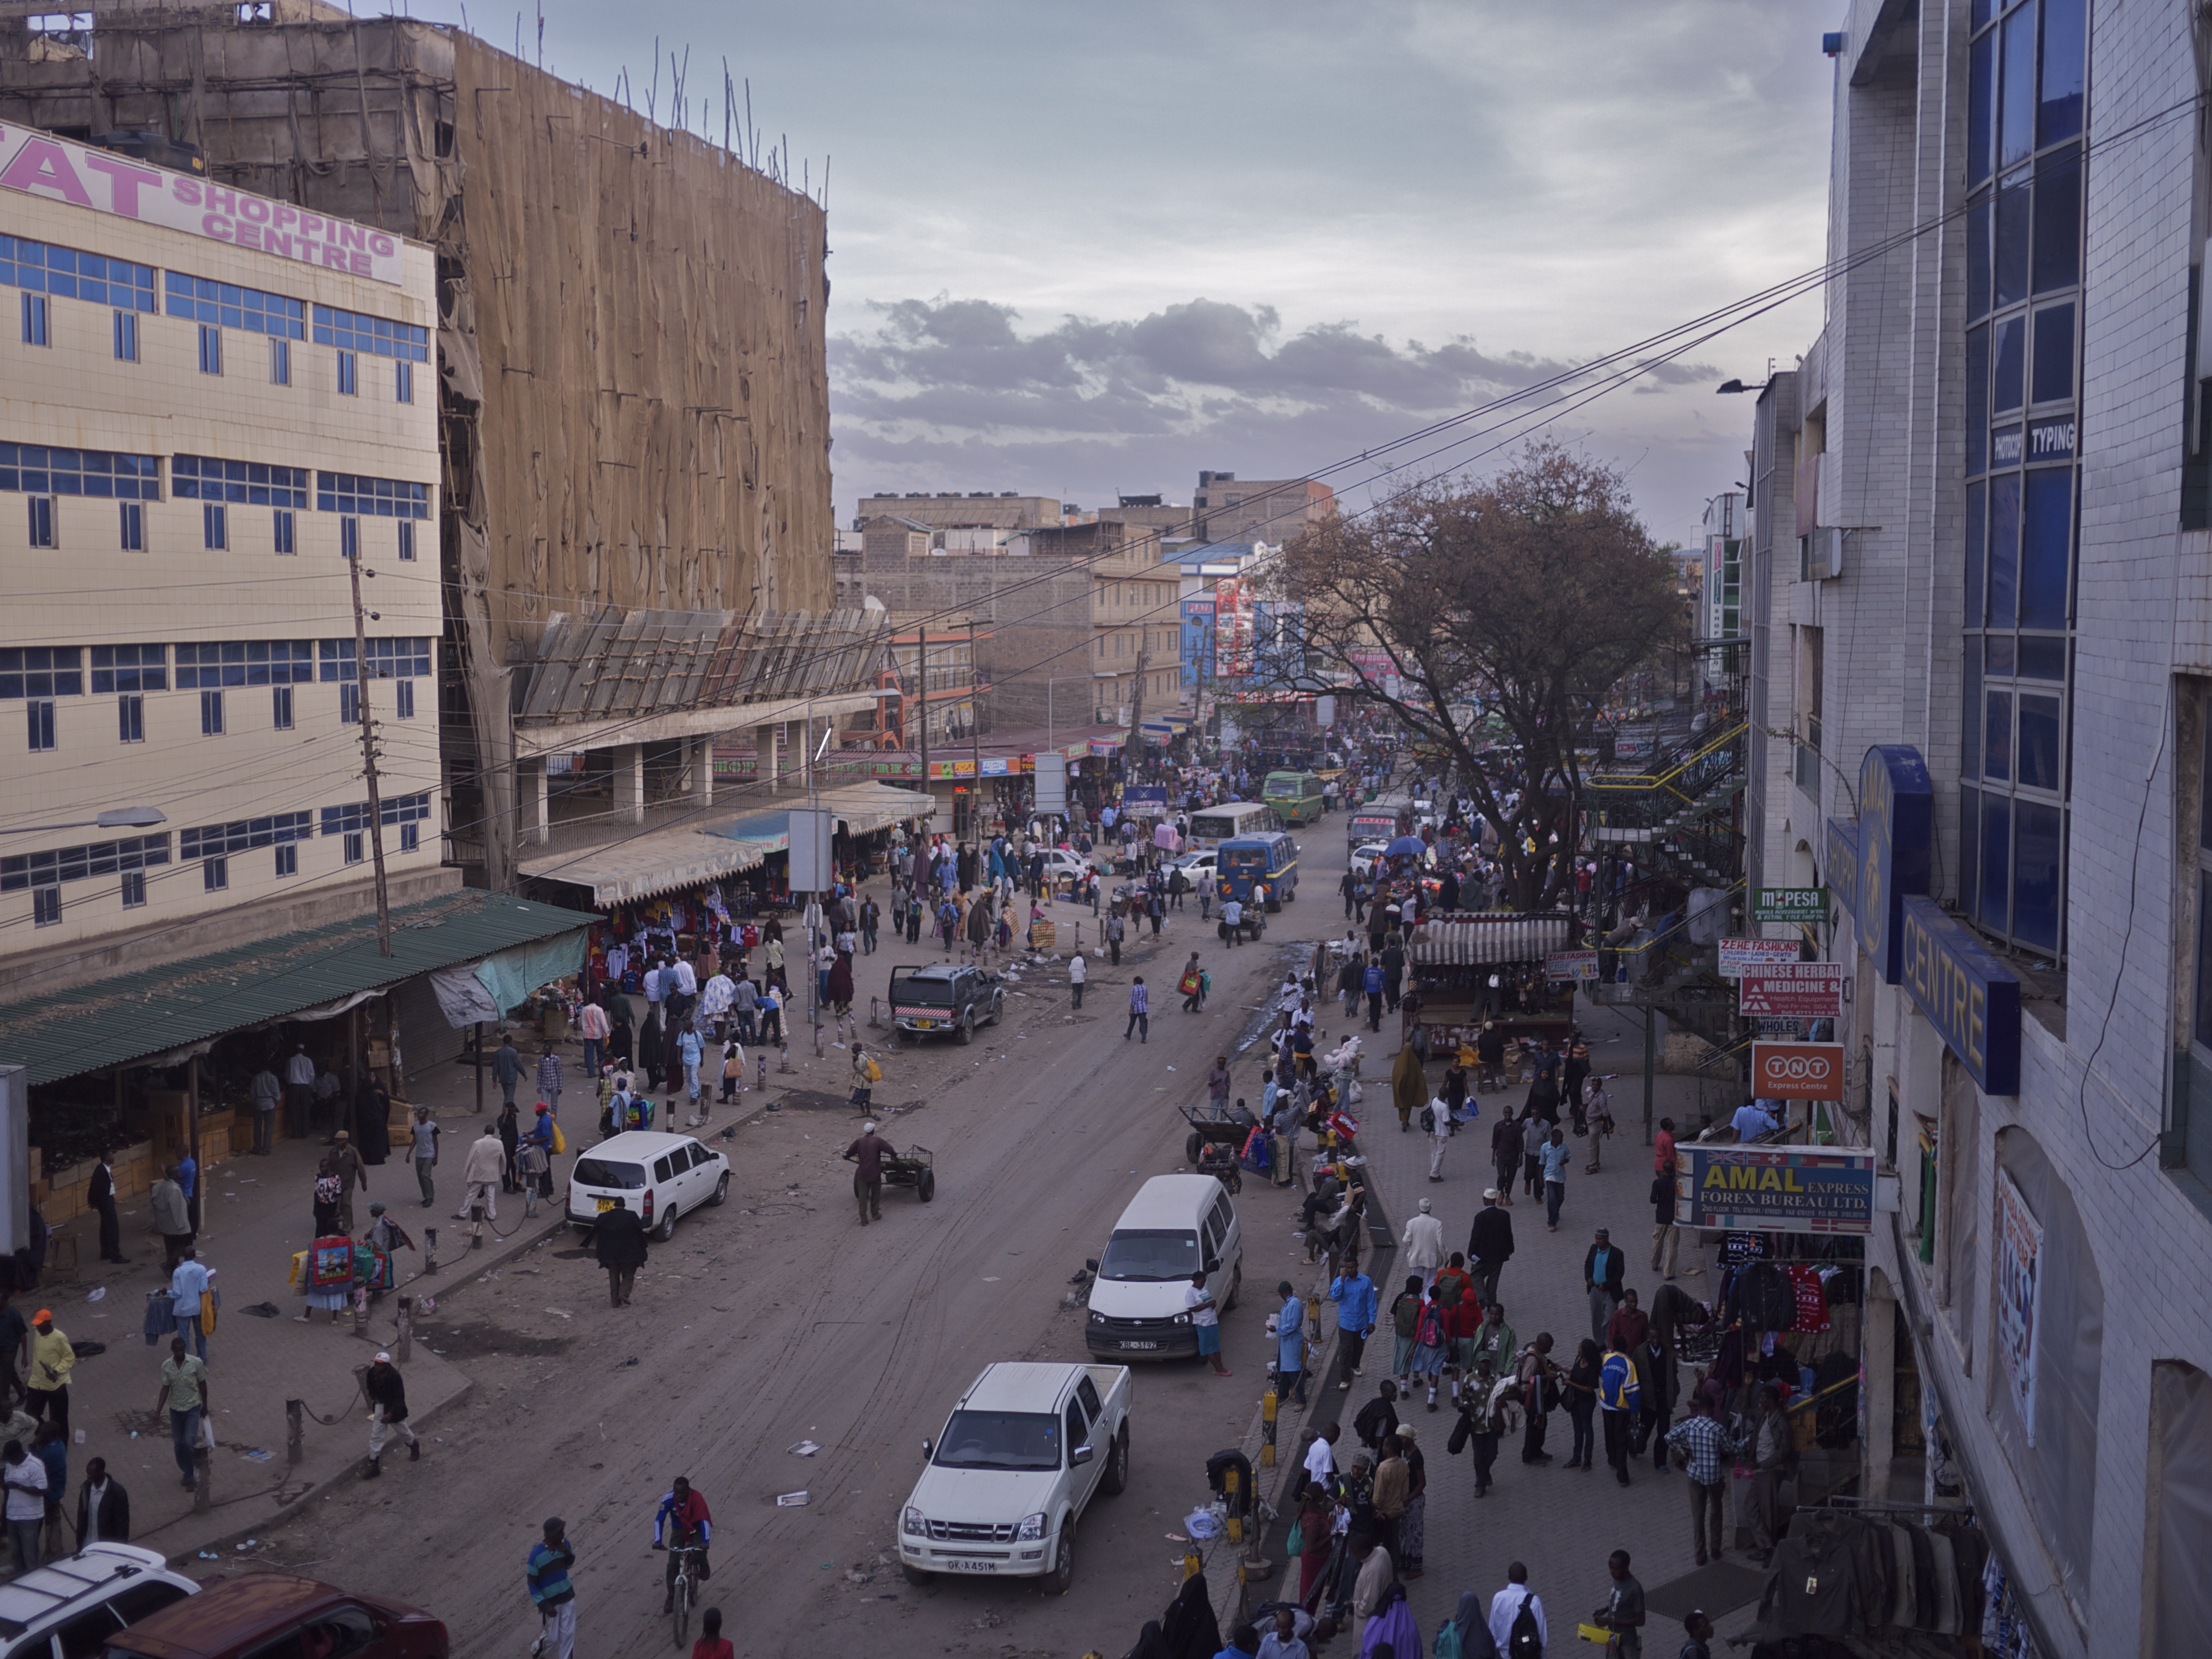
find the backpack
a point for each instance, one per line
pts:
(1405, 1314)
(1522, 1642)
(1429, 1328)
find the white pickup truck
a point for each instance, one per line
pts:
(1021, 1455)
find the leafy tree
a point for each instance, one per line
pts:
(1532, 592)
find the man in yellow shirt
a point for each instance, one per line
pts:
(52, 1359)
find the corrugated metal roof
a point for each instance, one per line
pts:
(1488, 938)
(112, 1022)
(616, 663)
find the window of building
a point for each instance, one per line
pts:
(2027, 80)
(66, 864)
(39, 723)
(40, 470)
(371, 498)
(43, 268)
(215, 526)
(355, 849)
(225, 305)
(41, 670)
(41, 521)
(281, 716)
(288, 861)
(352, 330)
(348, 375)
(349, 538)
(251, 483)
(131, 531)
(403, 383)
(354, 819)
(34, 320)
(131, 719)
(388, 658)
(129, 668)
(406, 528)
(350, 704)
(285, 530)
(45, 906)
(280, 362)
(411, 837)
(215, 875)
(403, 700)
(245, 662)
(243, 834)
(134, 890)
(126, 337)
(210, 349)
(210, 714)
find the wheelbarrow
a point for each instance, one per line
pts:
(914, 1167)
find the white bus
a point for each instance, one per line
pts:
(1215, 825)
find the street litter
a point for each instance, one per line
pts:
(560, 1313)
(790, 1500)
(255, 1455)
(97, 1294)
(804, 1448)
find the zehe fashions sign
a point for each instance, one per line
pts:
(38, 164)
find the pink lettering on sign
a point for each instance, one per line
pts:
(220, 200)
(214, 225)
(253, 209)
(335, 258)
(125, 179)
(286, 215)
(44, 165)
(382, 246)
(248, 235)
(187, 191)
(352, 236)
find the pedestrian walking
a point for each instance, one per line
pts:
(1114, 931)
(1623, 1612)
(346, 1164)
(189, 1301)
(25, 1479)
(1666, 1236)
(1703, 1446)
(1371, 982)
(1139, 1012)
(1423, 1242)
(550, 1078)
(298, 1093)
(1516, 1618)
(1078, 971)
(103, 1507)
(1205, 1324)
(1539, 1379)
(1700, 1630)
(1578, 1390)
(173, 1217)
(1490, 1245)
(425, 1136)
(99, 1194)
(510, 1133)
(1773, 1458)
(1480, 1425)
(1354, 1294)
(546, 1574)
(1602, 1269)
(325, 1197)
(266, 1091)
(866, 1155)
(184, 1396)
(1290, 1346)
(1505, 1152)
(592, 1026)
(1619, 1402)
(387, 1414)
(1553, 1159)
(480, 1176)
(535, 1169)
(1440, 1134)
(50, 1445)
(618, 1241)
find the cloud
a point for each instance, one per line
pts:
(937, 393)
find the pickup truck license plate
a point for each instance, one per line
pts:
(957, 1565)
(605, 1204)
(924, 1024)
(1140, 1345)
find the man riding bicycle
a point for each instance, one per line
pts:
(681, 1522)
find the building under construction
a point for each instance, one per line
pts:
(633, 401)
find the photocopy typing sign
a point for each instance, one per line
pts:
(1570, 965)
(1740, 956)
(1809, 990)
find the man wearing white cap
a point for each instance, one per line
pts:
(1424, 1243)
(387, 1411)
(867, 1154)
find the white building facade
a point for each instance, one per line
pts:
(207, 400)
(1979, 589)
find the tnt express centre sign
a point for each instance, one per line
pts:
(38, 164)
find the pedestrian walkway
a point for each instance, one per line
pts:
(257, 1212)
(1562, 1523)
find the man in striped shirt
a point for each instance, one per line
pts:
(1706, 1442)
(551, 1592)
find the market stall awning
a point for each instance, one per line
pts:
(1481, 940)
(129, 1017)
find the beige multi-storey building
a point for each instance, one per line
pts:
(207, 400)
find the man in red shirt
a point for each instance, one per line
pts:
(1666, 1236)
(868, 1154)
(681, 1521)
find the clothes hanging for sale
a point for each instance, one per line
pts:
(1812, 1299)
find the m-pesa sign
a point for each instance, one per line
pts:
(1797, 1071)
(39, 164)
(1808, 990)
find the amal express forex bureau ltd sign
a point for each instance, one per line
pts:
(1800, 1190)
(38, 164)
(1878, 870)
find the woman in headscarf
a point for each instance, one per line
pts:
(1390, 1628)
(1317, 1529)
(1466, 1634)
(1409, 1087)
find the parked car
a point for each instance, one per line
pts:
(86, 1599)
(1365, 857)
(664, 1175)
(1200, 867)
(1061, 864)
(945, 999)
(1023, 1452)
(276, 1615)
(1177, 1225)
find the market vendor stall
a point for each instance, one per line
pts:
(1464, 967)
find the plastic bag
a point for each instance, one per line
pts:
(1203, 1523)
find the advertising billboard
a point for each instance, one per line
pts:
(1803, 1190)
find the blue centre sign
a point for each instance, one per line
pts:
(1968, 997)
(1896, 819)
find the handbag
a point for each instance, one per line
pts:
(559, 1141)
(1295, 1545)
(207, 1313)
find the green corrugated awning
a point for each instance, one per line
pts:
(114, 1021)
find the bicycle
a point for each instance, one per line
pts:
(686, 1590)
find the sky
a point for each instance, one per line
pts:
(1088, 250)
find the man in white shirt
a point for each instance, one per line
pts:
(1505, 1608)
(298, 1091)
(1440, 1133)
(1424, 1243)
(24, 1478)
(1753, 1120)
(1321, 1457)
(1078, 971)
(480, 1175)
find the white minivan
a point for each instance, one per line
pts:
(1177, 1225)
(663, 1175)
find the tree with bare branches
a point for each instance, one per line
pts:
(1530, 593)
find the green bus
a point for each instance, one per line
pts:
(1296, 796)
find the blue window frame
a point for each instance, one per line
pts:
(348, 374)
(371, 498)
(287, 860)
(129, 668)
(35, 330)
(215, 874)
(226, 305)
(406, 541)
(348, 538)
(281, 710)
(245, 835)
(126, 337)
(397, 809)
(215, 526)
(39, 721)
(39, 470)
(245, 662)
(103, 858)
(285, 530)
(210, 349)
(403, 383)
(131, 719)
(352, 330)
(41, 670)
(388, 658)
(131, 532)
(255, 484)
(39, 527)
(210, 714)
(280, 362)
(44, 268)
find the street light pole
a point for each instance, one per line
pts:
(369, 759)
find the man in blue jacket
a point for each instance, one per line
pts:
(1619, 1397)
(1353, 1293)
(1290, 1346)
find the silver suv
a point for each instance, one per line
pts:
(69, 1607)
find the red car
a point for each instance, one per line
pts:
(274, 1615)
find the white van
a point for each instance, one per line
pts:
(1175, 1226)
(662, 1175)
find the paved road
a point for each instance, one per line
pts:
(777, 1319)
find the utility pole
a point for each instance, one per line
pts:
(974, 744)
(368, 758)
(921, 673)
